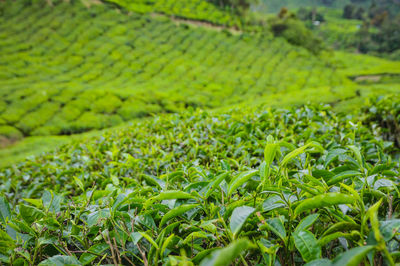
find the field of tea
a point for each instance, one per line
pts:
(249, 187)
(186, 137)
(80, 69)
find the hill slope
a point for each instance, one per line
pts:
(94, 68)
(78, 69)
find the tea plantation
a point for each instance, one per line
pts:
(76, 69)
(220, 144)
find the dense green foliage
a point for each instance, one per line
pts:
(190, 9)
(289, 186)
(288, 26)
(95, 68)
(244, 183)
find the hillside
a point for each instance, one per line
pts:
(188, 133)
(99, 67)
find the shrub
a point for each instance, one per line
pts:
(10, 133)
(135, 109)
(107, 104)
(295, 32)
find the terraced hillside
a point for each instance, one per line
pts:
(69, 69)
(77, 69)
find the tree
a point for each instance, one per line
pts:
(348, 11)
(288, 26)
(236, 5)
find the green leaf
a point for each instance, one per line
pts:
(352, 257)
(341, 176)
(5, 213)
(176, 211)
(52, 201)
(6, 243)
(30, 214)
(238, 218)
(215, 183)
(307, 245)
(270, 150)
(307, 222)
(272, 203)
(323, 200)
(98, 217)
(168, 195)
(358, 155)
(225, 256)
(277, 227)
(35, 202)
(60, 260)
(136, 236)
(149, 239)
(93, 252)
(202, 254)
(79, 183)
(166, 243)
(341, 226)
(240, 180)
(193, 236)
(328, 238)
(294, 154)
(389, 228)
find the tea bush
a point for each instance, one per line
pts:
(263, 186)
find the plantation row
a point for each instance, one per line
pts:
(190, 9)
(296, 186)
(68, 69)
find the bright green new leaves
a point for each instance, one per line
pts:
(340, 177)
(176, 212)
(240, 179)
(238, 218)
(324, 200)
(151, 240)
(307, 245)
(225, 256)
(293, 154)
(307, 222)
(270, 150)
(168, 195)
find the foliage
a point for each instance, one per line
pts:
(386, 113)
(123, 67)
(219, 13)
(286, 25)
(251, 187)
